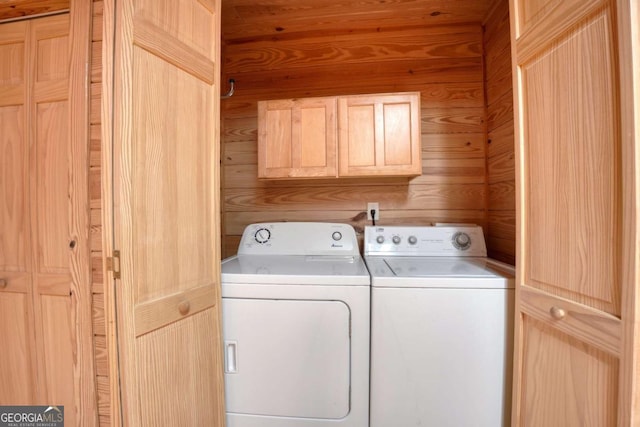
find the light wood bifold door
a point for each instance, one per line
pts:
(45, 306)
(576, 129)
(165, 212)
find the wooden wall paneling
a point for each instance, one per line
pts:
(109, 405)
(101, 355)
(331, 79)
(502, 196)
(500, 141)
(414, 44)
(500, 111)
(237, 221)
(453, 125)
(246, 20)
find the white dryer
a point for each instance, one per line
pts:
(441, 327)
(295, 307)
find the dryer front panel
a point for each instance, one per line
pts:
(287, 358)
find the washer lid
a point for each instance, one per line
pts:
(439, 272)
(295, 270)
(440, 267)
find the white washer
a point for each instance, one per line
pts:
(441, 327)
(295, 315)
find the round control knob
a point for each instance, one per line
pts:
(380, 239)
(413, 240)
(336, 235)
(396, 239)
(461, 241)
(262, 235)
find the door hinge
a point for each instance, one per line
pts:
(113, 264)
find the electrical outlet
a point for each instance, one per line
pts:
(373, 206)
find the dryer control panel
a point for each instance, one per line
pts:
(299, 238)
(425, 241)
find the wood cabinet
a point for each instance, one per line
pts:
(577, 272)
(45, 296)
(297, 138)
(161, 178)
(372, 135)
(379, 135)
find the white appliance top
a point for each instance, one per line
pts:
(297, 253)
(433, 257)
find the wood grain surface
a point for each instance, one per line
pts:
(444, 64)
(500, 142)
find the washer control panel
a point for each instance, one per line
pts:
(425, 241)
(299, 238)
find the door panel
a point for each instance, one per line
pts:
(50, 210)
(172, 199)
(573, 208)
(51, 169)
(58, 353)
(172, 373)
(17, 374)
(297, 138)
(571, 383)
(13, 190)
(165, 210)
(379, 135)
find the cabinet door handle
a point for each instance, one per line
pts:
(557, 313)
(3, 283)
(184, 307)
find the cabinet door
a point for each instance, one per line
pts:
(297, 138)
(379, 135)
(576, 280)
(166, 210)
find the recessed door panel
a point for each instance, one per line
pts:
(287, 358)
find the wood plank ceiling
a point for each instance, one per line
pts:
(250, 20)
(12, 9)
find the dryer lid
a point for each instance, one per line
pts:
(295, 270)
